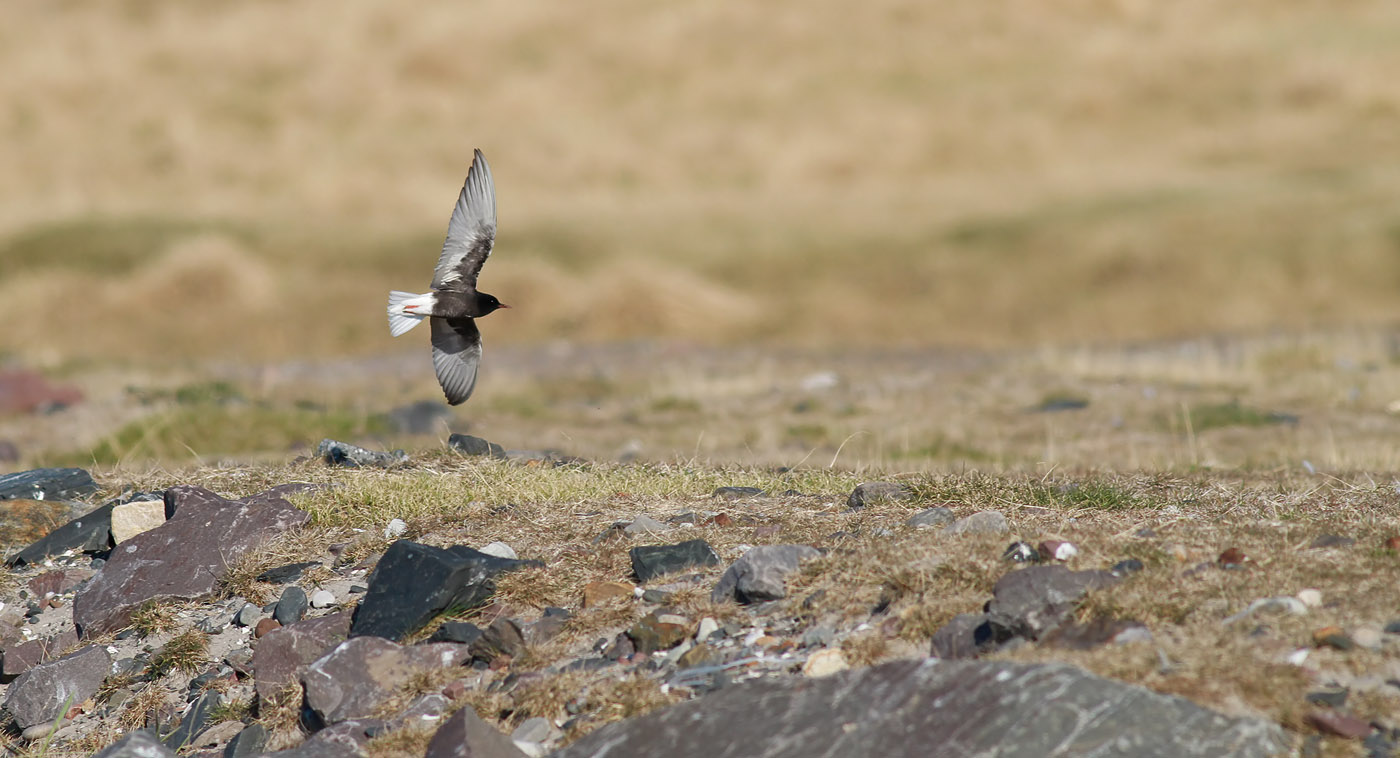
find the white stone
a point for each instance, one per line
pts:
(708, 626)
(1367, 636)
(825, 663)
(322, 599)
(131, 519)
(500, 550)
(1310, 597)
(395, 529)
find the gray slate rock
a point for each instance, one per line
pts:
(761, 573)
(465, 735)
(413, 583)
(931, 517)
(344, 740)
(141, 743)
(651, 561)
(964, 708)
(358, 675)
(195, 721)
(291, 606)
(183, 558)
(982, 522)
(336, 453)
(282, 654)
(469, 445)
(737, 493)
(42, 694)
(88, 533)
(877, 492)
(288, 573)
(1036, 599)
(248, 743)
(47, 484)
(643, 524)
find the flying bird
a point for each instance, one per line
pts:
(453, 304)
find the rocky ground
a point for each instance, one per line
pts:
(1183, 549)
(534, 604)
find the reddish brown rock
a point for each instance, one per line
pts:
(1232, 558)
(58, 582)
(23, 391)
(24, 656)
(358, 675)
(1339, 724)
(597, 593)
(184, 558)
(284, 653)
(264, 627)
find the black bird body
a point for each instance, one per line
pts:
(454, 303)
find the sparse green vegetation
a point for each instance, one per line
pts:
(186, 652)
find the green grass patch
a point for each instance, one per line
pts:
(203, 430)
(1220, 415)
(101, 245)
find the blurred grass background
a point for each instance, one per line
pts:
(247, 180)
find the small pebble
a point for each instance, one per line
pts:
(1057, 550)
(1367, 636)
(499, 549)
(395, 528)
(265, 626)
(1020, 552)
(248, 615)
(825, 663)
(708, 626)
(1310, 597)
(1334, 637)
(322, 599)
(1232, 558)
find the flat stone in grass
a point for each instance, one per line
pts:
(761, 573)
(413, 583)
(184, 558)
(288, 573)
(89, 533)
(651, 561)
(465, 735)
(982, 522)
(964, 708)
(931, 517)
(869, 493)
(358, 675)
(469, 445)
(43, 694)
(737, 493)
(47, 484)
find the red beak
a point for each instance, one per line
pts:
(503, 305)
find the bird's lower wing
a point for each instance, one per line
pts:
(456, 354)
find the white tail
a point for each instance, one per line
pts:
(399, 321)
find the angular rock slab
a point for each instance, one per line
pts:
(183, 558)
(336, 453)
(89, 533)
(1035, 599)
(465, 735)
(359, 674)
(43, 693)
(47, 484)
(284, 653)
(651, 561)
(413, 583)
(469, 445)
(131, 519)
(946, 708)
(761, 573)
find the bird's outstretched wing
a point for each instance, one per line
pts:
(456, 354)
(472, 231)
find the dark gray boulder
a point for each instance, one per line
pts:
(651, 561)
(47, 484)
(88, 533)
(948, 708)
(413, 583)
(469, 445)
(141, 743)
(761, 573)
(43, 693)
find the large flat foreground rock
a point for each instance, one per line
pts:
(185, 557)
(935, 707)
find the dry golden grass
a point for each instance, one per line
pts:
(1004, 173)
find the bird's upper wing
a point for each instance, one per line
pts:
(472, 231)
(456, 354)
